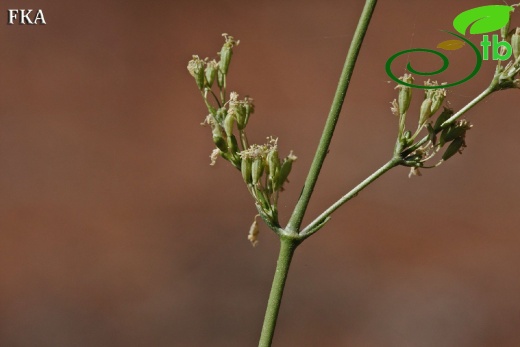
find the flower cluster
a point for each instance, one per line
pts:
(260, 165)
(265, 174)
(446, 131)
(451, 136)
(506, 75)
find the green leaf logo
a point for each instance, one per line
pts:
(483, 19)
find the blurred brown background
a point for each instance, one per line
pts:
(115, 231)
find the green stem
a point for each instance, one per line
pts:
(243, 140)
(223, 91)
(287, 248)
(488, 91)
(311, 228)
(472, 103)
(326, 137)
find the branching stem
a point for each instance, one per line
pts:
(311, 228)
(326, 137)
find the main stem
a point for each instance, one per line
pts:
(287, 247)
(299, 211)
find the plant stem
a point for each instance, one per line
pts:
(488, 91)
(310, 229)
(326, 137)
(470, 104)
(287, 248)
(243, 140)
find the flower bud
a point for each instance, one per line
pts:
(232, 143)
(246, 169)
(406, 139)
(226, 52)
(229, 122)
(218, 137)
(237, 109)
(249, 108)
(504, 31)
(405, 94)
(211, 72)
(196, 69)
(220, 115)
(220, 79)
(257, 169)
(437, 100)
(273, 162)
(425, 111)
(515, 43)
(284, 171)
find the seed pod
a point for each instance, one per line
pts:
(263, 199)
(226, 155)
(216, 130)
(442, 138)
(453, 148)
(229, 122)
(438, 98)
(444, 116)
(504, 31)
(226, 52)
(405, 94)
(246, 169)
(211, 72)
(220, 79)
(458, 130)
(453, 133)
(425, 111)
(515, 43)
(220, 115)
(221, 143)
(225, 58)
(257, 169)
(232, 144)
(284, 173)
(273, 161)
(249, 108)
(240, 114)
(196, 69)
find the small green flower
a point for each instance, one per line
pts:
(211, 72)
(405, 94)
(226, 52)
(196, 69)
